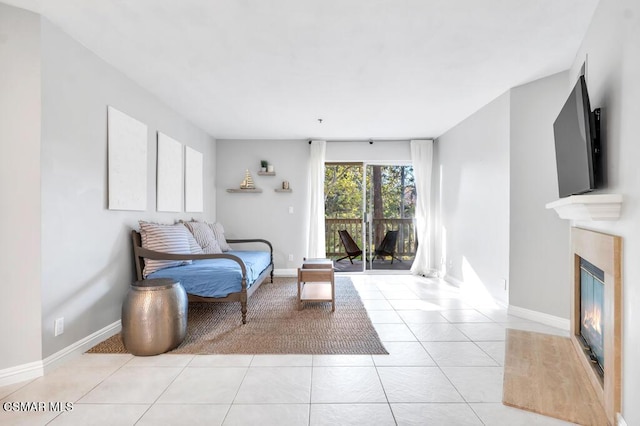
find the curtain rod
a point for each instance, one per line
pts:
(371, 141)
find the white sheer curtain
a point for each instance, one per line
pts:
(422, 159)
(316, 243)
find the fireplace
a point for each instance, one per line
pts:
(592, 313)
(596, 313)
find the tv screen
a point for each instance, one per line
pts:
(577, 145)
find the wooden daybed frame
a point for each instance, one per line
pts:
(242, 296)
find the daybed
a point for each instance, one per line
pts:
(232, 276)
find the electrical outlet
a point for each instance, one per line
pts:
(291, 258)
(290, 209)
(58, 326)
(504, 283)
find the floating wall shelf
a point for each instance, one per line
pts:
(261, 173)
(588, 207)
(248, 191)
(282, 190)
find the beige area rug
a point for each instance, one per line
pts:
(275, 326)
(542, 373)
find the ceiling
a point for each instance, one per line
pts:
(380, 69)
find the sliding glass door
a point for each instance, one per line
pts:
(390, 208)
(369, 210)
(344, 215)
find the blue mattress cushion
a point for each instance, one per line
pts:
(217, 277)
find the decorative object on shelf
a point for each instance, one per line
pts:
(247, 182)
(285, 187)
(270, 168)
(263, 165)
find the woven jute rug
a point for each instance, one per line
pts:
(275, 325)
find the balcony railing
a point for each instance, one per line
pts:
(406, 245)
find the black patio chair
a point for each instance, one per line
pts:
(350, 246)
(388, 246)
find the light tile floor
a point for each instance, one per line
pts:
(445, 367)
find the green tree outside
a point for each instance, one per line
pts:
(395, 197)
(343, 191)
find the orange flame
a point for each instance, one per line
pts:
(592, 319)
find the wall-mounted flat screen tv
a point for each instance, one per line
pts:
(577, 142)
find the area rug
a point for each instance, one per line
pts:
(542, 373)
(275, 325)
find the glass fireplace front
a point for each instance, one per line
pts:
(592, 310)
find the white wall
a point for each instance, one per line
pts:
(497, 172)
(63, 253)
(471, 179)
(537, 238)
(20, 259)
(266, 215)
(87, 262)
(612, 45)
(378, 152)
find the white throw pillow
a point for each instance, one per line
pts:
(218, 231)
(172, 239)
(204, 236)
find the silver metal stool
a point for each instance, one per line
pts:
(154, 316)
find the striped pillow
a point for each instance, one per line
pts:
(193, 244)
(218, 231)
(166, 239)
(194, 247)
(204, 236)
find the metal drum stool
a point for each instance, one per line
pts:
(154, 316)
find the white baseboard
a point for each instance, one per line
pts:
(36, 369)
(461, 285)
(21, 373)
(285, 273)
(550, 320)
(82, 345)
(453, 281)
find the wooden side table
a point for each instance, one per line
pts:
(316, 282)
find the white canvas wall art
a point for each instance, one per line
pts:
(193, 181)
(170, 175)
(127, 158)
